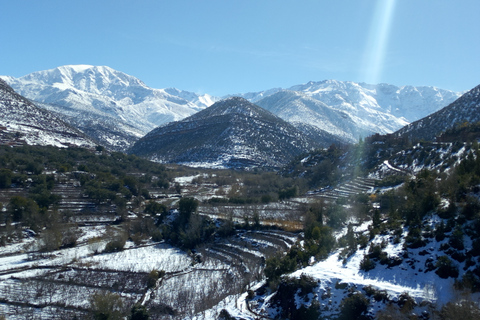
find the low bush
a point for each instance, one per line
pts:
(354, 307)
(446, 268)
(115, 245)
(367, 264)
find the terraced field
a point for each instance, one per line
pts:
(60, 284)
(349, 188)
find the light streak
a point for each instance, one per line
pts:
(376, 48)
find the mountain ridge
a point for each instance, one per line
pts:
(96, 97)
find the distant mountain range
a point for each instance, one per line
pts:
(354, 110)
(117, 109)
(232, 133)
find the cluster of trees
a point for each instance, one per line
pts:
(110, 306)
(105, 177)
(259, 187)
(188, 229)
(318, 243)
(459, 224)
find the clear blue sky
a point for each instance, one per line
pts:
(231, 46)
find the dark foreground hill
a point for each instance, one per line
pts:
(231, 133)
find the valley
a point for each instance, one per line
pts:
(241, 215)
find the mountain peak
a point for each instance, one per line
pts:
(91, 79)
(231, 133)
(77, 67)
(232, 106)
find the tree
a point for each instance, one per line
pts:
(5, 178)
(24, 210)
(446, 268)
(139, 312)
(288, 193)
(131, 184)
(354, 307)
(106, 306)
(186, 207)
(154, 208)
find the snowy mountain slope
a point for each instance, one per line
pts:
(409, 274)
(110, 132)
(370, 109)
(34, 125)
(407, 102)
(202, 101)
(324, 138)
(93, 92)
(231, 133)
(464, 109)
(99, 96)
(297, 107)
(256, 96)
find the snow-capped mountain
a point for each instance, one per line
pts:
(90, 94)
(464, 109)
(231, 133)
(407, 102)
(299, 108)
(117, 109)
(367, 109)
(23, 121)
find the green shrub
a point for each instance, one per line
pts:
(139, 312)
(367, 264)
(465, 310)
(5, 178)
(446, 268)
(107, 305)
(153, 277)
(285, 298)
(406, 302)
(115, 245)
(354, 307)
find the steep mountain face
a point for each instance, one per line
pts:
(22, 121)
(297, 107)
(464, 109)
(94, 97)
(231, 133)
(407, 102)
(367, 109)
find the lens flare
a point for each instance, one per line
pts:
(376, 48)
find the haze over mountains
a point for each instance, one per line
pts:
(117, 109)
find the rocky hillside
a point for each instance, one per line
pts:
(23, 122)
(299, 108)
(230, 133)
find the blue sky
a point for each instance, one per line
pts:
(230, 46)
